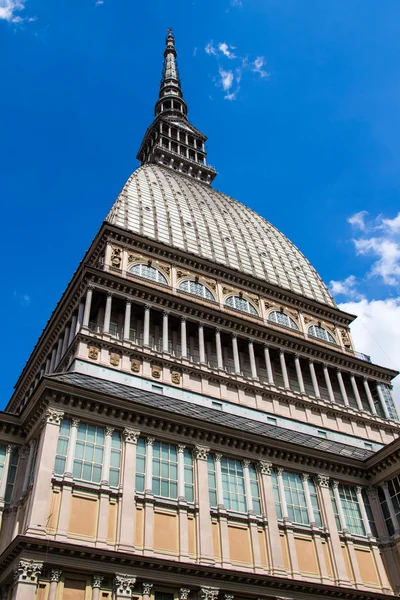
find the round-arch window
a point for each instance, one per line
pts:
(281, 319)
(241, 304)
(198, 289)
(321, 333)
(148, 273)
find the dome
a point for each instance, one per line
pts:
(165, 206)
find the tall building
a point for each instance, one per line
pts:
(194, 421)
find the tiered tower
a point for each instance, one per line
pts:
(194, 421)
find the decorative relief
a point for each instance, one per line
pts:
(53, 416)
(93, 352)
(27, 571)
(116, 258)
(124, 584)
(130, 435)
(264, 467)
(135, 365)
(115, 359)
(147, 589)
(184, 593)
(176, 377)
(109, 431)
(372, 492)
(55, 575)
(323, 480)
(201, 452)
(156, 371)
(24, 451)
(97, 580)
(208, 593)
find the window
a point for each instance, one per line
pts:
(165, 470)
(12, 471)
(394, 491)
(188, 474)
(281, 319)
(148, 272)
(241, 304)
(197, 289)
(233, 485)
(277, 498)
(115, 461)
(386, 512)
(351, 510)
(391, 408)
(255, 491)
(295, 498)
(314, 502)
(31, 475)
(140, 464)
(370, 516)
(89, 452)
(321, 334)
(2, 459)
(212, 481)
(62, 447)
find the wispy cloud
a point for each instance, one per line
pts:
(347, 287)
(236, 3)
(9, 10)
(23, 299)
(99, 2)
(358, 219)
(228, 76)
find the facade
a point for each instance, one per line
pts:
(194, 421)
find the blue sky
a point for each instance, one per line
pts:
(299, 99)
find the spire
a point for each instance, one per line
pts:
(171, 139)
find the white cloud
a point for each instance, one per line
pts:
(224, 48)
(236, 3)
(210, 48)
(226, 79)
(9, 8)
(392, 224)
(347, 287)
(358, 220)
(376, 332)
(257, 66)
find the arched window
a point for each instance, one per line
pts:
(198, 289)
(321, 333)
(281, 319)
(241, 304)
(148, 273)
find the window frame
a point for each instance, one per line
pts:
(159, 278)
(326, 336)
(291, 323)
(251, 309)
(206, 289)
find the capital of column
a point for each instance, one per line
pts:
(27, 571)
(53, 416)
(305, 476)
(110, 294)
(335, 484)
(279, 471)
(181, 448)
(165, 314)
(147, 306)
(150, 441)
(281, 351)
(208, 593)
(233, 336)
(201, 452)
(245, 464)
(359, 489)
(372, 492)
(123, 585)
(183, 318)
(147, 587)
(218, 457)
(97, 580)
(184, 593)
(128, 302)
(323, 480)
(55, 575)
(130, 436)
(75, 422)
(264, 467)
(109, 431)
(229, 596)
(24, 451)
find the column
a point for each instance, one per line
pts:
(253, 526)
(37, 514)
(72, 329)
(342, 387)
(107, 314)
(127, 322)
(79, 319)
(356, 392)
(148, 483)
(328, 383)
(205, 542)
(310, 510)
(218, 345)
(127, 523)
(97, 580)
(268, 365)
(201, 344)
(146, 587)
(181, 472)
(53, 359)
(247, 486)
(47, 367)
(369, 396)
(69, 461)
(314, 380)
(25, 485)
(270, 520)
(284, 370)
(390, 506)
(282, 496)
(66, 340)
(146, 326)
(252, 360)
(55, 576)
(6, 466)
(218, 477)
(338, 501)
(236, 360)
(364, 515)
(26, 575)
(165, 346)
(183, 338)
(59, 350)
(182, 506)
(105, 470)
(222, 516)
(88, 305)
(123, 586)
(299, 373)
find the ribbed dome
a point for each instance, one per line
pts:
(165, 206)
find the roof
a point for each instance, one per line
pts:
(169, 207)
(209, 415)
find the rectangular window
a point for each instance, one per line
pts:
(386, 512)
(188, 469)
(391, 408)
(115, 462)
(314, 502)
(140, 464)
(295, 498)
(212, 482)
(62, 447)
(351, 510)
(89, 453)
(233, 485)
(370, 516)
(255, 491)
(12, 471)
(394, 491)
(165, 470)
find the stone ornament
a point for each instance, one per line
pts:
(147, 587)
(229, 596)
(55, 575)
(115, 359)
(97, 581)
(175, 377)
(123, 585)
(135, 365)
(264, 467)
(208, 593)
(24, 451)
(323, 480)
(109, 431)
(201, 452)
(130, 436)
(27, 571)
(93, 353)
(53, 416)
(156, 372)
(116, 258)
(184, 593)
(372, 492)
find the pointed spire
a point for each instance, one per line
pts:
(170, 96)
